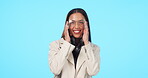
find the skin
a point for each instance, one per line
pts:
(83, 29)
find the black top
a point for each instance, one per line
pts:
(78, 43)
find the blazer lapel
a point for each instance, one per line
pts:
(70, 58)
(81, 59)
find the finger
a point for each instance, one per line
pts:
(66, 26)
(66, 29)
(86, 28)
(86, 25)
(67, 33)
(84, 31)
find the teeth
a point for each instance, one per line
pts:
(76, 31)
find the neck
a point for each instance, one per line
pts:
(77, 41)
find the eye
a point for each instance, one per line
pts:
(81, 22)
(72, 22)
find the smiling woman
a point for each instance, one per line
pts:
(76, 23)
(74, 55)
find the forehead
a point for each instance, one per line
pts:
(76, 16)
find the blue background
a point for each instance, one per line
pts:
(119, 27)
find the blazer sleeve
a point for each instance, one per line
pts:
(93, 56)
(58, 55)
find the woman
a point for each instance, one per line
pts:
(74, 56)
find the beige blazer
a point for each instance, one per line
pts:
(61, 60)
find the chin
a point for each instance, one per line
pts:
(77, 36)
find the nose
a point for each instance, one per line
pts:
(76, 26)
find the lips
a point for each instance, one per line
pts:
(76, 31)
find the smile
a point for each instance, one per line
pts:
(76, 31)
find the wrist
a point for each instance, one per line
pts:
(86, 42)
(68, 40)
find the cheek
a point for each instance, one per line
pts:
(70, 28)
(82, 29)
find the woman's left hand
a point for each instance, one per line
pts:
(85, 33)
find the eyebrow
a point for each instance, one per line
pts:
(82, 20)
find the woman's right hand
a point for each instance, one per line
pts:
(66, 32)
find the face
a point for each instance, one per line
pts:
(76, 23)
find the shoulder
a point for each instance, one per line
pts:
(93, 46)
(56, 42)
